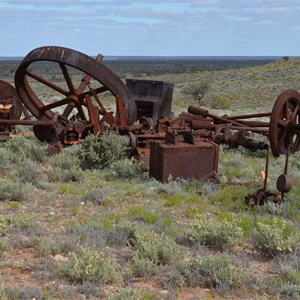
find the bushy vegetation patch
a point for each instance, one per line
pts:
(13, 191)
(4, 224)
(217, 272)
(160, 249)
(23, 147)
(65, 167)
(275, 236)
(91, 265)
(100, 151)
(215, 234)
(149, 216)
(126, 169)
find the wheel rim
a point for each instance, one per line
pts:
(72, 93)
(285, 114)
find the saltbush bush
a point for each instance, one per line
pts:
(5, 158)
(65, 166)
(91, 265)
(126, 169)
(23, 147)
(275, 237)
(160, 249)
(13, 191)
(214, 271)
(29, 171)
(215, 234)
(4, 224)
(100, 151)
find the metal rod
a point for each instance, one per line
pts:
(51, 122)
(287, 156)
(266, 170)
(265, 114)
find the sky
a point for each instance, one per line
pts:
(152, 27)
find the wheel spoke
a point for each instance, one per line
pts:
(281, 142)
(286, 110)
(55, 104)
(282, 123)
(47, 83)
(295, 112)
(96, 90)
(68, 109)
(67, 77)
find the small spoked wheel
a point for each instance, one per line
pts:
(284, 130)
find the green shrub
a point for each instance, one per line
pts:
(127, 169)
(90, 265)
(4, 246)
(174, 200)
(100, 151)
(22, 147)
(158, 248)
(275, 237)
(29, 171)
(218, 101)
(15, 293)
(27, 225)
(5, 223)
(288, 267)
(132, 294)
(13, 191)
(143, 266)
(146, 215)
(290, 290)
(5, 158)
(215, 234)
(65, 166)
(96, 195)
(214, 271)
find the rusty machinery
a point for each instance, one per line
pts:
(186, 146)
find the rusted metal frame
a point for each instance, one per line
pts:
(258, 115)
(120, 111)
(102, 109)
(205, 114)
(266, 178)
(93, 114)
(51, 122)
(255, 123)
(87, 78)
(252, 125)
(46, 82)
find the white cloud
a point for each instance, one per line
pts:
(152, 27)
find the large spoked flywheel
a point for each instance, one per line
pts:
(55, 79)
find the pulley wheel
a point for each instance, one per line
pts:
(71, 77)
(284, 117)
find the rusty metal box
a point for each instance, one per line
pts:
(183, 160)
(153, 98)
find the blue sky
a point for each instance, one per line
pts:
(152, 27)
